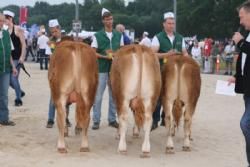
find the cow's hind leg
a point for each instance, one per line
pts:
(169, 120)
(78, 127)
(84, 118)
(61, 115)
(123, 119)
(187, 127)
(147, 128)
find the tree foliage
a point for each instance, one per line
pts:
(205, 18)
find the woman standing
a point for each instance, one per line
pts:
(18, 54)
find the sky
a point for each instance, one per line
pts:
(32, 2)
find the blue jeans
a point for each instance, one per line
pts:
(14, 82)
(4, 86)
(103, 82)
(245, 126)
(52, 110)
(157, 113)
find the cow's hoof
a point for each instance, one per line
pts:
(84, 149)
(186, 148)
(136, 135)
(78, 131)
(123, 152)
(62, 150)
(170, 150)
(145, 155)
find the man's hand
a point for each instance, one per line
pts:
(231, 80)
(21, 60)
(171, 52)
(237, 37)
(14, 71)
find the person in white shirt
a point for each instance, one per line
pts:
(145, 40)
(196, 53)
(229, 57)
(42, 43)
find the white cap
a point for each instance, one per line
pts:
(53, 23)
(145, 33)
(8, 13)
(104, 10)
(63, 31)
(168, 15)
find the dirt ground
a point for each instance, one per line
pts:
(218, 141)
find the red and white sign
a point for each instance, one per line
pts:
(23, 16)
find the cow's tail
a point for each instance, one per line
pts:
(177, 111)
(178, 104)
(137, 106)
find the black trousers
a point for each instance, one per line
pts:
(28, 52)
(43, 58)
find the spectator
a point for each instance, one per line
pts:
(145, 40)
(121, 28)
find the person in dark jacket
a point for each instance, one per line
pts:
(242, 76)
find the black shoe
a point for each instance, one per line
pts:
(22, 94)
(114, 124)
(226, 73)
(18, 103)
(68, 124)
(96, 126)
(50, 124)
(154, 126)
(162, 122)
(7, 123)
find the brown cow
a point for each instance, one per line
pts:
(73, 75)
(181, 84)
(136, 83)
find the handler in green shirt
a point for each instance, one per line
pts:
(167, 42)
(6, 67)
(104, 42)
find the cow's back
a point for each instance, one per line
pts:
(134, 67)
(72, 63)
(181, 78)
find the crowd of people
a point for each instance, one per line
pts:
(16, 47)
